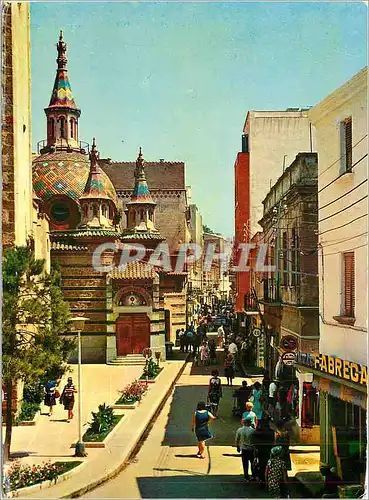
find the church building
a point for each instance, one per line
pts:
(130, 307)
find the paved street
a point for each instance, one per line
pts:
(167, 467)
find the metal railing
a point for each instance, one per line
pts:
(62, 145)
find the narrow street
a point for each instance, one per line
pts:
(166, 465)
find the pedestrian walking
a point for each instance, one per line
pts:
(215, 392)
(221, 336)
(228, 369)
(276, 474)
(242, 394)
(264, 442)
(182, 339)
(50, 395)
(245, 445)
(256, 398)
(67, 398)
(204, 353)
(200, 424)
(212, 351)
(250, 414)
(282, 439)
(272, 397)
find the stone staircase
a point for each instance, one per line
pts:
(128, 360)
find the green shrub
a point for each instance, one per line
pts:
(33, 393)
(151, 370)
(102, 420)
(28, 411)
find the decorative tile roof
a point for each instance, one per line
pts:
(78, 233)
(62, 96)
(60, 173)
(56, 245)
(160, 175)
(98, 185)
(146, 235)
(133, 271)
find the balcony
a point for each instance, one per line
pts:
(270, 290)
(250, 305)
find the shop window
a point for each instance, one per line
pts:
(310, 405)
(349, 284)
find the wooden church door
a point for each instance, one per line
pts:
(132, 333)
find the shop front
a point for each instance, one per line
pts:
(342, 388)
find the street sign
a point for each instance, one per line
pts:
(256, 332)
(288, 358)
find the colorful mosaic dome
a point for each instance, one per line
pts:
(68, 174)
(60, 173)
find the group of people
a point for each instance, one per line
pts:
(265, 452)
(66, 398)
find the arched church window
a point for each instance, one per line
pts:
(52, 127)
(86, 210)
(94, 210)
(62, 127)
(142, 215)
(71, 127)
(60, 211)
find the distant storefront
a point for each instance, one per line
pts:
(342, 388)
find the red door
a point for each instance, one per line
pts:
(133, 333)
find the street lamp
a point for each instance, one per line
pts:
(78, 325)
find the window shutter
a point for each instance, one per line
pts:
(348, 143)
(349, 291)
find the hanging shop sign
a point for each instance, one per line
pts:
(341, 368)
(256, 332)
(288, 358)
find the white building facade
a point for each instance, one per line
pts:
(339, 369)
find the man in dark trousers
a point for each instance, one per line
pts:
(245, 444)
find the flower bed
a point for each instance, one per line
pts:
(132, 393)
(23, 475)
(93, 437)
(152, 374)
(103, 422)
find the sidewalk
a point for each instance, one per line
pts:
(102, 383)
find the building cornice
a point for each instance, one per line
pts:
(340, 96)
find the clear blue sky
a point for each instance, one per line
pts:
(178, 78)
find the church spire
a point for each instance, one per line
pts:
(62, 112)
(141, 192)
(140, 210)
(62, 93)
